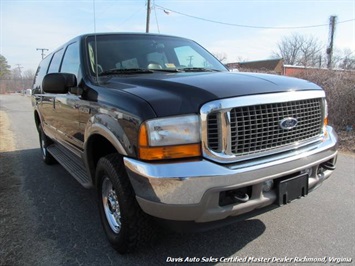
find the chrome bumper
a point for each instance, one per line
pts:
(190, 190)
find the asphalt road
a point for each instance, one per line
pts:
(47, 218)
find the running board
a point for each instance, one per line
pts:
(71, 164)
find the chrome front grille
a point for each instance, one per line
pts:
(257, 128)
(213, 133)
(239, 129)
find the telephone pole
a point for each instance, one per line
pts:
(148, 17)
(332, 21)
(19, 69)
(42, 49)
(190, 58)
(19, 78)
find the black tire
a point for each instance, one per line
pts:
(44, 142)
(125, 224)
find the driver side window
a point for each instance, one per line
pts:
(71, 60)
(56, 60)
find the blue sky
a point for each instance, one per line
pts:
(29, 24)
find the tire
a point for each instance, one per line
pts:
(44, 142)
(125, 224)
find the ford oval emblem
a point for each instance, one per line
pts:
(288, 123)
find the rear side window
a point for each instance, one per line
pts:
(41, 72)
(55, 63)
(71, 60)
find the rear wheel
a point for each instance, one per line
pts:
(44, 142)
(125, 224)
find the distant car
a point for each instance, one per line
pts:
(162, 129)
(28, 92)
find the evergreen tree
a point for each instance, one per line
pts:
(4, 67)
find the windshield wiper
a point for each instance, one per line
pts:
(198, 69)
(126, 71)
(173, 70)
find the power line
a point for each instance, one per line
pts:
(247, 26)
(132, 15)
(156, 17)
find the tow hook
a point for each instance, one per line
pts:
(241, 196)
(328, 165)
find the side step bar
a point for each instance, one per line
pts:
(71, 164)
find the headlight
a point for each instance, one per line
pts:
(173, 131)
(172, 137)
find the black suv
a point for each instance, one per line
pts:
(163, 130)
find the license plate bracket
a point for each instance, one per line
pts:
(292, 188)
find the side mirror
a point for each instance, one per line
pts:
(58, 82)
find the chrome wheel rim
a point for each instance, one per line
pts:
(111, 205)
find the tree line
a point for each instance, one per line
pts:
(308, 51)
(12, 80)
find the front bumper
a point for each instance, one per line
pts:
(191, 190)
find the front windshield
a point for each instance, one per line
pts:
(121, 52)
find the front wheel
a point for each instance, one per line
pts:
(44, 142)
(125, 224)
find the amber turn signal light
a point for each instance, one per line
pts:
(146, 152)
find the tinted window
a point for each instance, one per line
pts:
(71, 60)
(41, 72)
(55, 63)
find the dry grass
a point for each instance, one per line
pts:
(6, 139)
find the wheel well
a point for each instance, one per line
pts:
(97, 147)
(37, 119)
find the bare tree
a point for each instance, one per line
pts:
(289, 49)
(28, 76)
(302, 50)
(310, 51)
(348, 60)
(242, 59)
(220, 56)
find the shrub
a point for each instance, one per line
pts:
(340, 90)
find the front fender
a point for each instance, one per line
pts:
(106, 133)
(120, 132)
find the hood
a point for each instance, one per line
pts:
(182, 93)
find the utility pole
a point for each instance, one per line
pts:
(332, 21)
(148, 17)
(42, 49)
(190, 58)
(19, 69)
(22, 85)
